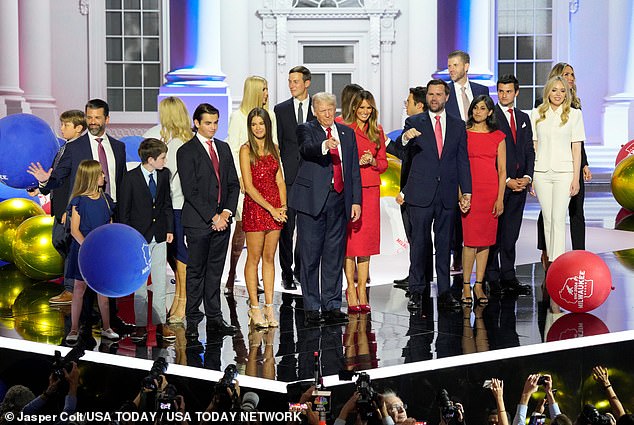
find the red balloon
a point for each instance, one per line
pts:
(626, 150)
(576, 325)
(579, 281)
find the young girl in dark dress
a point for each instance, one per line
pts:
(89, 208)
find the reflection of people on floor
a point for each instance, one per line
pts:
(449, 340)
(327, 340)
(500, 323)
(421, 336)
(287, 367)
(474, 336)
(360, 343)
(237, 339)
(205, 356)
(261, 364)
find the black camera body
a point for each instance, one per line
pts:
(367, 394)
(159, 367)
(447, 409)
(166, 399)
(591, 416)
(225, 401)
(65, 363)
(541, 380)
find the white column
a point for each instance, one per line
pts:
(481, 38)
(11, 95)
(236, 66)
(35, 58)
(618, 118)
(422, 54)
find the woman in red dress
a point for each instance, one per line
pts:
(364, 235)
(487, 157)
(263, 213)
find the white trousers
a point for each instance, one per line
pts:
(553, 192)
(158, 254)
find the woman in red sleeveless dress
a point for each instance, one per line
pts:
(486, 146)
(263, 213)
(363, 238)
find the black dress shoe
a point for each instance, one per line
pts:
(221, 327)
(447, 301)
(119, 326)
(312, 318)
(335, 316)
(404, 281)
(415, 302)
(514, 286)
(191, 333)
(495, 287)
(289, 285)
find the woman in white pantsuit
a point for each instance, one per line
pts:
(557, 132)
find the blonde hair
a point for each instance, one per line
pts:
(253, 94)
(565, 111)
(175, 122)
(372, 127)
(87, 178)
(558, 70)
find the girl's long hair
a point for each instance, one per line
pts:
(87, 178)
(269, 146)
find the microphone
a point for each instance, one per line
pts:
(250, 402)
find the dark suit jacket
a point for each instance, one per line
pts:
(428, 173)
(310, 190)
(138, 210)
(405, 154)
(520, 156)
(287, 136)
(59, 196)
(452, 103)
(76, 152)
(200, 185)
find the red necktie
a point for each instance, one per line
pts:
(513, 129)
(336, 165)
(103, 160)
(438, 133)
(216, 164)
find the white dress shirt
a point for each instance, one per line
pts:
(463, 114)
(305, 106)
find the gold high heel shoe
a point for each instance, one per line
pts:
(255, 317)
(270, 316)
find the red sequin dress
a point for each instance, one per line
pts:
(254, 217)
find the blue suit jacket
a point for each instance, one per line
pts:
(312, 183)
(520, 155)
(452, 103)
(78, 151)
(428, 173)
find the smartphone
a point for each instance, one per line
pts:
(297, 407)
(487, 384)
(541, 380)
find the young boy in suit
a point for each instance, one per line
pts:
(146, 205)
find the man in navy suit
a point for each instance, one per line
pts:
(438, 169)
(326, 194)
(289, 114)
(520, 160)
(98, 145)
(461, 94)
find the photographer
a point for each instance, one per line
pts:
(54, 384)
(14, 401)
(226, 396)
(530, 386)
(600, 375)
(380, 412)
(395, 408)
(449, 410)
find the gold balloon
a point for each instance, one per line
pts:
(12, 213)
(35, 319)
(391, 178)
(12, 283)
(623, 183)
(33, 250)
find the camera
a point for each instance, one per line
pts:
(368, 396)
(65, 363)
(541, 380)
(159, 367)
(591, 416)
(447, 408)
(166, 399)
(227, 402)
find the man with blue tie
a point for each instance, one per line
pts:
(520, 161)
(439, 168)
(326, 194)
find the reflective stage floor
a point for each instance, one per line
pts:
(383, 340)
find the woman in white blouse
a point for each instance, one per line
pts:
(557, 132)
(254, 95)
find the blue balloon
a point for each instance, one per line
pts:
(7, 192)
(132, 148)
(24, 138)
(114, 260)
(393, 135)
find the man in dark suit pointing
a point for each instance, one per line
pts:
(438, 169)
(326, 194)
